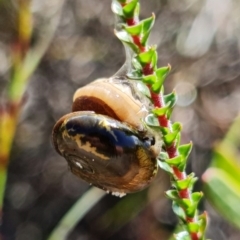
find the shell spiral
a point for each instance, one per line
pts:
(104, 138)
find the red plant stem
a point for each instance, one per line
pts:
(163, 121)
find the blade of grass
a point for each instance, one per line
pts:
(25, 60)
(76, 213)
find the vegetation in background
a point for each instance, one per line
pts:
(221, 179)
(25, 58)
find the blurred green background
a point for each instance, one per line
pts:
(200, 39)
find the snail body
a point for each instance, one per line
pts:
(104, 139)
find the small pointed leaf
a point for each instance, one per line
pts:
(169, 138)
(161, 74)
(141, 87)
(183, 235)
(185, 150)
(136, 64)
(125, 38)
(182, 165)
(130, 8)
(165, 167)
(174, 161)
(149, 79)
(156, 87)
(165, 130)
(179, 211)
(146, 57)
(202, 222)
(172, 194)
(148, 23)
(163, 156)
(191, 210)
(163, 71)
(193, 227)
(192, 182)
(177, 140)
(196, 196)
(117, 8)
(154, 60)
(186, 203)
(151, 120)
(135, 75)
(160, 111)
(134, 30)
(171, 99)
(183, 184)
(147, 26)
(177, 126)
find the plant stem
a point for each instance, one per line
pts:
(136, 31)
(76, 213)
(25, 59)
(164, 122)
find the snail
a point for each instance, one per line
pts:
(105, 140)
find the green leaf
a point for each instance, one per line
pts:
(163, 156)
(183, 164)
(165, 167)
(202, 221)
(154, 60)
(148, 23)
(177, 126)
(171, 99)
(193, 227)
(177, 140)
(224, 158)
(163, 71)
(141, 87)
(129, 10)
(172, 194)
(161, 74)
(183, 184)
(170, 137)
(196, 196)
(135, 75)
(134, 30)
(164, 130)
(117, 8)
(149, 79)
(185, 150)
(179, 211)
(136, 64)
(192, 182)
(146, 57)
(185, 203)
(174, 161)
(147, 26)
(156, 87)
(160, 111)
(151, 120)
(184, 235)
(191, 210)
(125, 38)
(222, 189)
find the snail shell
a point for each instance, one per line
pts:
(104, 139)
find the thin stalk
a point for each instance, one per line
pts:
(158, 102)
(76, 213)
(135, 33)
(25, 59)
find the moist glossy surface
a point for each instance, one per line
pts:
(105, 152)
